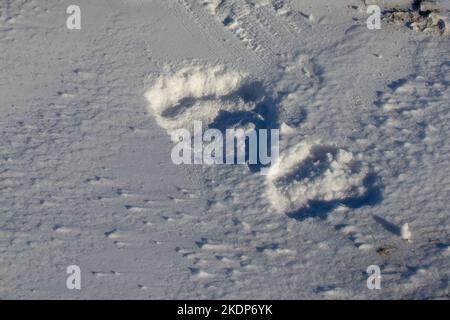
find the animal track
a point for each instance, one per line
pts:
(306, 173)
(196, 92)
(309, 173)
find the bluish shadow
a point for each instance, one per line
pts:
(321, 209)
(263, 116)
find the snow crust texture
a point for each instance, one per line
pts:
(86, 176)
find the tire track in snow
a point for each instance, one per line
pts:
(207, 27)
(295, 20)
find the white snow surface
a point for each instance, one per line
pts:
(86, 176)
(195, 93)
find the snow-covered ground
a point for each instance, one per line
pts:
(86, 176)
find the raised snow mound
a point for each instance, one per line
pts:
(195, 92)
(422, 16)
(314, 172)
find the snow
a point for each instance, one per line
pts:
(195, 93)
(406, 232)
(86, 176)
